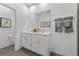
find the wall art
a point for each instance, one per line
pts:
(5, 22)
(68, 27)
(58, 25)
(45, 24)
(68, 24)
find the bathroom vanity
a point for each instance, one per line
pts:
(36, 42)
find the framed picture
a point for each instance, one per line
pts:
(68, 27)
(68, 24)
(64, 24)
(5, 22)
(68, 18)
(42, 24)
(58, 25)
(45, 24)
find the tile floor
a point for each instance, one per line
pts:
(9, 51)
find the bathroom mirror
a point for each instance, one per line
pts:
(44, 19)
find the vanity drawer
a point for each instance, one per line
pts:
(45, 37)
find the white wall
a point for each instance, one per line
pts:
(21, 20)
(5, 32)
(61, 43)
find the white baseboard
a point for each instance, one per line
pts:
(5, 45)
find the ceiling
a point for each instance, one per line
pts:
(30, 4)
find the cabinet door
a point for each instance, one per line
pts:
(26, 41)
(35, 44)
(39, 44)
(43, 46)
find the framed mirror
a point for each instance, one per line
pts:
(44, 19)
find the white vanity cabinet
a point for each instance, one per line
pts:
(26, 40)
(36, 42)
(40, 44)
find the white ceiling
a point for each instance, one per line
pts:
(30, 4)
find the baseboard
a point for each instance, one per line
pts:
(6, 45)
(24, 50)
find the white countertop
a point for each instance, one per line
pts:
(40, 33)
